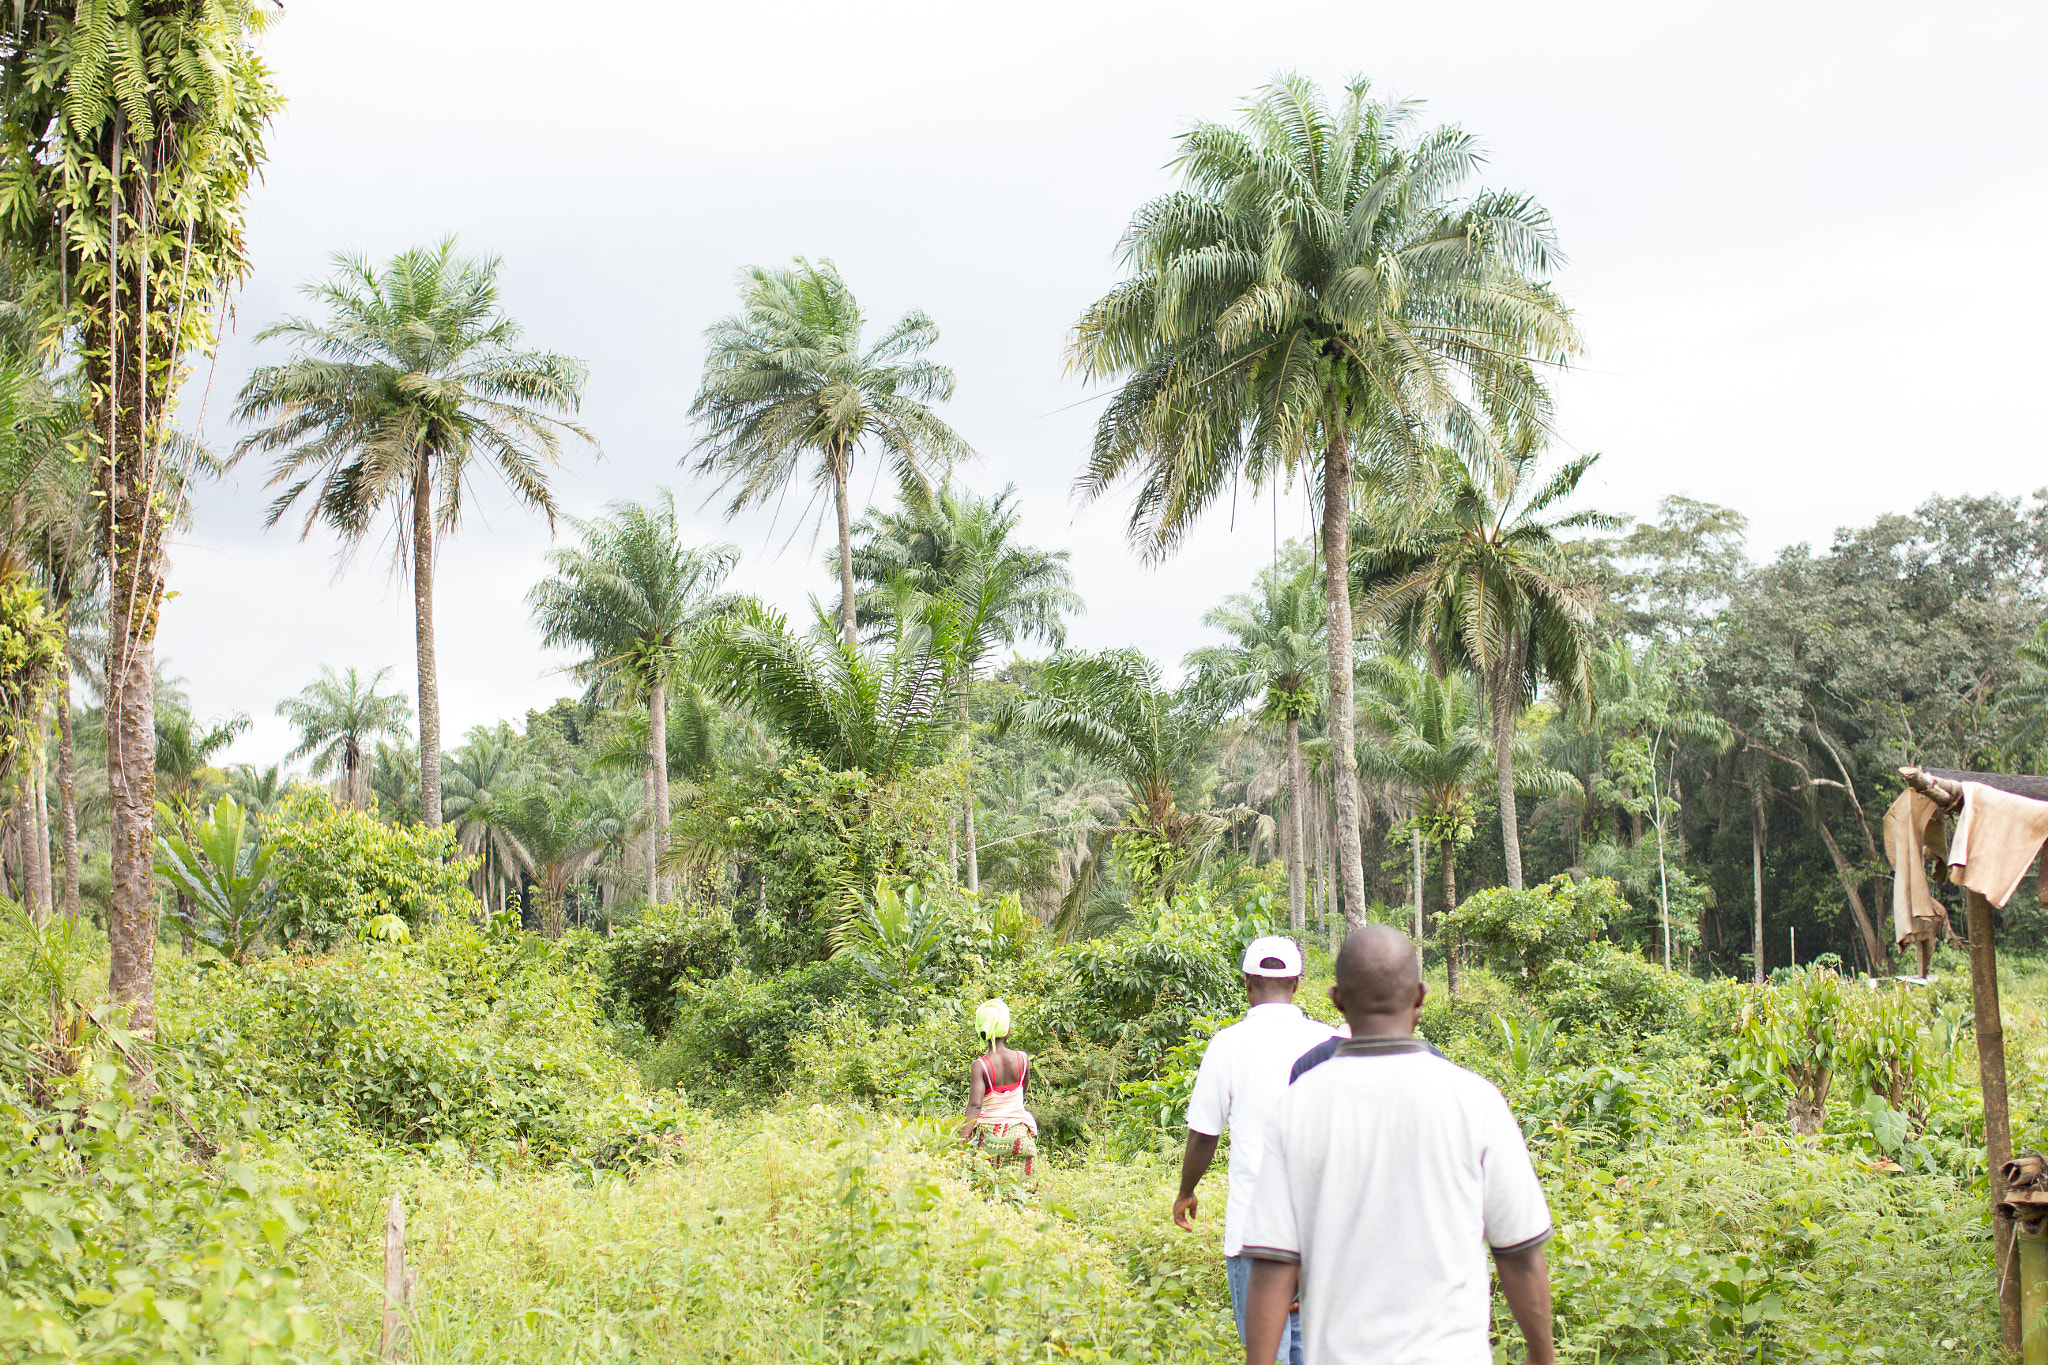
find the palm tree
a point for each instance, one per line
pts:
(1277, 640)
(876, 709)
(185, 747)
(393, 402)
(635, 598)
(480, 774)
(786, 379)
(1426, 739)
(1113, 707)
(339, 716)
(552, 834)
(134, 133)
(1314, 282)
(257, 791)
(1481, 583)
(395, 779)
(957, 547)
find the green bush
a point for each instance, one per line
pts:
(1520, 933)
(478, 1042)
(336, 870)
(1608, 989)
(736, 1036)
(646, 961)
(121, 1248)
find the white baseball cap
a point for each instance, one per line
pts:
(1272, 948)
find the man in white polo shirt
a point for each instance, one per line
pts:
(1389, 1174)
(1243, 1076)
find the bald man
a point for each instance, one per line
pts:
(1389, 1173)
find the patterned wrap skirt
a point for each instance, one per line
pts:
(1003, 1143)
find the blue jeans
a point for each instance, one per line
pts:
(1239, 1271)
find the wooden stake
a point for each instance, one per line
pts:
(398, 1282)
(1990, 1032)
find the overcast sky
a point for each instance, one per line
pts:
(1801, 242)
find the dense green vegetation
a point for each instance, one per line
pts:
(655, 1005)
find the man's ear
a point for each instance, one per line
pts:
(1337, 998)
(1421, 993)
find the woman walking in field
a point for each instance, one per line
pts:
(997, 1121)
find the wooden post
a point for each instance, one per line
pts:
(1990, 1031)
(398, 1282)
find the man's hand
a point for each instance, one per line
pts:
(1194, 1164)
(1525, 1284)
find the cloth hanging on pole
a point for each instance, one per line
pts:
(1916, 915)
(1995, 841)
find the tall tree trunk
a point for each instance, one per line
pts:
(67, 781)
(653, 836)
(1448, 852)
(1847, 875)
(967, 799)
(1296, 846)
(32, 899)
(1343, 719)
(1506, 688)
(351, 774)
(1415, 843)
(423, 642)
(840, 475)
(44, 872)
(657, 758)
(1756, 870)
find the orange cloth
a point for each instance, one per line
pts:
(1916, 914)
(1996, 838)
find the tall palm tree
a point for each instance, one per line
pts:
(133, 133)
(554, 836)
(882, 709)
(1276, 645)
(339, 716)
(1114, 707)
(1481, 583)
(1426, 738)
(958, 548)
(185, 749)
(635, 598)
(1316, 280)
(479, 774)
(787, 380)
(410, 385)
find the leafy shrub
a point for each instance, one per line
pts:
(1608, 989)
(645, 962)
(811, 841)
(1521, 933)
(736, 1036)
(468, 1040)
(338, 869)
(121, 1248)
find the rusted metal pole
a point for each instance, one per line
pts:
(1990, 1032)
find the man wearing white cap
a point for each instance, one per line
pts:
(1243, 1077)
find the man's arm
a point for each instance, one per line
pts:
(1195, 1160)
(1525, 1283)
(1266, 1305)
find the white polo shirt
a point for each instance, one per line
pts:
(1388, 1173)
(1243, 1075)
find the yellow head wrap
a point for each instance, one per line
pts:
(992, 1021)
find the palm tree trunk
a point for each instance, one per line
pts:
(351, 774)
(1343, 721)
(1448, 852)
(24, 805)
(1297, 846)
(67, 784)
(44, 873)
(840, 475)
(653, 837)
(657, 759)
(967, 799)
(423, 642)
(1415, 842)
(1503, 689)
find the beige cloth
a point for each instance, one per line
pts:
(1916, 914)
(1995, 841)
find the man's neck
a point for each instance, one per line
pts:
(1380, 1026)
